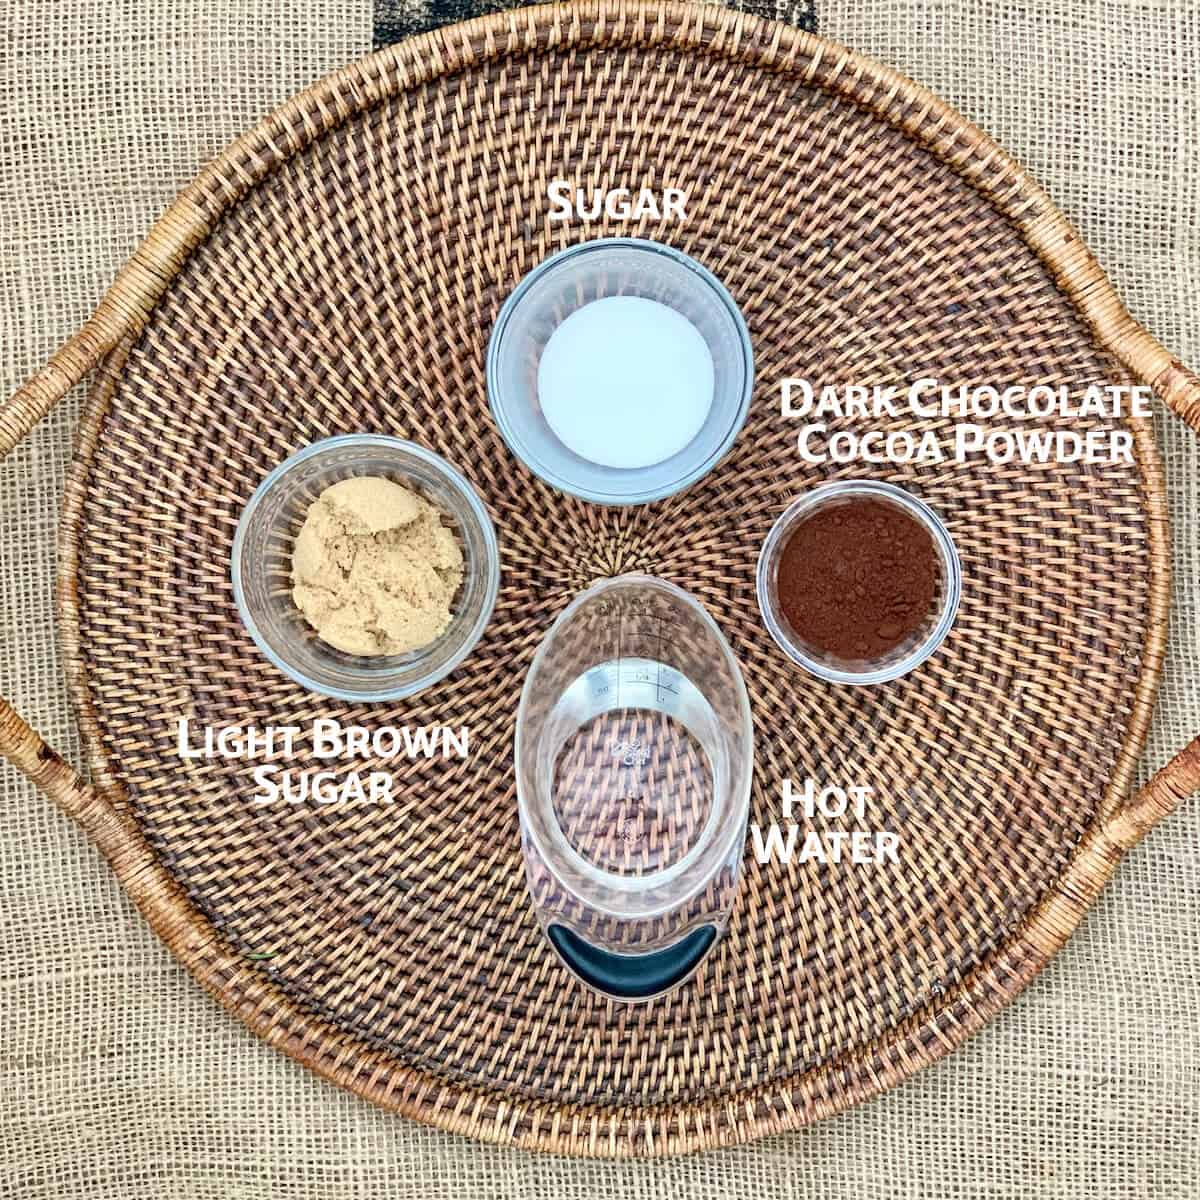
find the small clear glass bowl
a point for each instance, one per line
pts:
(262, 567)
(567, 281)
(920, 644)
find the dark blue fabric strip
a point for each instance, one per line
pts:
(396, 19)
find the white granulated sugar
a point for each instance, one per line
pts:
(626, 382)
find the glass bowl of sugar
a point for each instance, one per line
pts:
(620, 371)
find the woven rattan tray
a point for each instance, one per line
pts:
(339, 269)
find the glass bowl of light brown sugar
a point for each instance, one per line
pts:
(859, 581)
(365, 567)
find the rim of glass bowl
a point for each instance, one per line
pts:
(490, 564)
(918, 509)
(508, 310)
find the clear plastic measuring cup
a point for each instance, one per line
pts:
(634, 752)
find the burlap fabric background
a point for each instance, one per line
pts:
(119, 1078)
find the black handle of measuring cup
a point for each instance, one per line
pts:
(632, 976)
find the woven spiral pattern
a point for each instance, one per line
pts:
(353, 286)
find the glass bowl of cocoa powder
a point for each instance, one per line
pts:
(859, 581)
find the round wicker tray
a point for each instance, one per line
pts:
(339, 269)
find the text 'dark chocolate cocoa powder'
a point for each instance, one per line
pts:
(858, 578)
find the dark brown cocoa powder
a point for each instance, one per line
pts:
(857, 578)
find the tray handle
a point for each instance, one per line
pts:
(1179, 389)
(19, 742)
(122, 310)
(53, 775)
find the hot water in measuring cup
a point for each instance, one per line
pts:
(634, 750)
